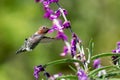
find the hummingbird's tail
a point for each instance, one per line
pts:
(20, 50)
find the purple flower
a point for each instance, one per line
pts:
(54, 1)
(96, 63)
(118, 44)
(46, 4)
(114, 59)
(51, 30)
(39, 0)
(53, 77)
(65, 11)
(73, 47)
(47, 74)
(82, 75)
(66, 24)
(47, 14)
(73, 44)
(57, 25)
(37, 70)
(50, 14)
(65, 51)
(62, 36)
(116, 51)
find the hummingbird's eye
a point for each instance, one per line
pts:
(44, 27)
(26, 39)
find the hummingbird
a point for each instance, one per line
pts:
(38, 37)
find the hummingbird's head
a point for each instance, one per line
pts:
(43, 30)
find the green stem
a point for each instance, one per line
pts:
(63, 61)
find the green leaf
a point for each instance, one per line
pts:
(104, 55)
(108, 79)
(99, 69)
(72, 68)
(114, 79)
(90, 50)
(91, 46)
(68, 77)
(63, 61)
(112, 74)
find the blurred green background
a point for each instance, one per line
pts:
(97, 19)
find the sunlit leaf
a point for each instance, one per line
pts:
(99, 69)
(104, 55)
(112, 74)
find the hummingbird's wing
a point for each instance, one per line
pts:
(46, 39)
(33, 41)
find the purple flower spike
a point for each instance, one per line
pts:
(82, 75)
(37, 70)
(62, 36)
(66, 24)
(96, 63)
(57, 13)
